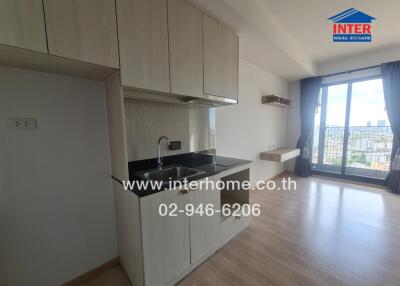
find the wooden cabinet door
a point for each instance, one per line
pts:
(22, 24)
(204, 230)
(185, 48)
(143, 44)
(166, 241)
(84, 30)
(221, 48)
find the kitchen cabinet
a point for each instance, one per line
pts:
(220, 59)
(143, 44)
(22, 24)
(84, 30)
(166, 50)
(158, 250)
(185, 48)
(204, 229)
(117, 127)
(166, 240)
(231, 226)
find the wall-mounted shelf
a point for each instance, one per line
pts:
(275, 101)
(280, 154)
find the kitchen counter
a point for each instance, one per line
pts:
(150, 229)
(210, 164)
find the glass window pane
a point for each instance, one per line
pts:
(370, 136)
(334, 127)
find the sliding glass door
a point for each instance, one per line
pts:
(352, 135)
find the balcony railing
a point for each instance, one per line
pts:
(368, 150)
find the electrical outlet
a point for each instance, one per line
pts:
(21, 124)
(175, 145)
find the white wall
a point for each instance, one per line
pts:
(248, 128)
(56, 203)
(199, 129)
(361, 60)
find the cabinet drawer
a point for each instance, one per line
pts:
(231, 226)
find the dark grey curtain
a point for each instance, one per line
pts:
(309, 92)
(391, 89)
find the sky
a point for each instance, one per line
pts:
(367, 104)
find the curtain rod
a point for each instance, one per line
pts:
(350, 71)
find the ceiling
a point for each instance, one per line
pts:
(314, 32)
(292, 38)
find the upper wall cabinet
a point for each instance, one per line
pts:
(221, 48)
(84, 30)
(22, 24)
(185, 48)
(143, 43)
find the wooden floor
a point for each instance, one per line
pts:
(324, 233)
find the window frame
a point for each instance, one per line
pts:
(321, 136)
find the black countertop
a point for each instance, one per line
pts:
(210, 164)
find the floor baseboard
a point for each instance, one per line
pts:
(277, 176)
(92, 273)
(281, 174)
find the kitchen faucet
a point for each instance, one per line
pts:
(159, 159)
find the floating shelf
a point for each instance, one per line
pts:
(275, 101)
(280, 154)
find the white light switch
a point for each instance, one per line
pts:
(21, 124)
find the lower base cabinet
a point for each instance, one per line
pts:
(205, 230)
(160, 249)
(231, 226)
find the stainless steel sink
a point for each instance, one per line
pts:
(169, 173)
